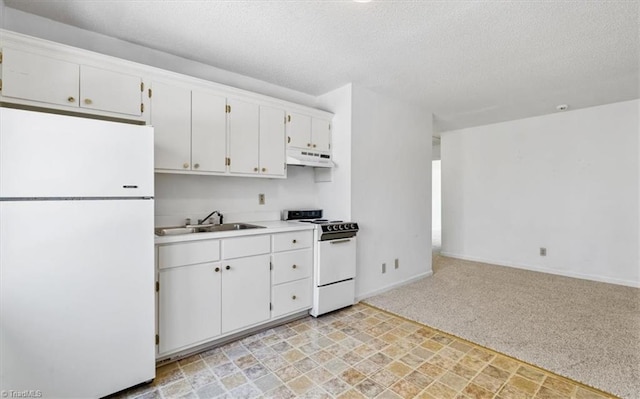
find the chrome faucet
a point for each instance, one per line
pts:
(220, 216)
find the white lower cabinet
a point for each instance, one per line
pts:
(292, 261)
(211, 288)
(245, 292)
(290, 297)
(189, 305)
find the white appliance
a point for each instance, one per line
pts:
(334, 266)
(76, 255)
(300, 157)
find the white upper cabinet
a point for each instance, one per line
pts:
(321, 134)
(311, 133)
(171, 119)
(110, 91)
(41, 79)
(190, 128)
(34, 77)
(272, 141)
(244, 123)
(208, 132)
(298, 130)
(200, 127)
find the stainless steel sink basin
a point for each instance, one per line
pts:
(207, 228)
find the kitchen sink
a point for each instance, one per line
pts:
(206, 228)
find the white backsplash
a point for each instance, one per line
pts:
(178, 197)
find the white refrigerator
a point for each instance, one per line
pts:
(77, 301)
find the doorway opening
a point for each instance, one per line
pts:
(436, 207)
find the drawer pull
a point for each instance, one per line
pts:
(293, 297)
(294, 266)
(71, 100)
(295, 241)
(217, 269)
(339, 241)
(228, 267)
(88, 101)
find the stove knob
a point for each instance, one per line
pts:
(341, 227)
(353, 226)
(329, 228)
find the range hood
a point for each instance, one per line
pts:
(309, 158)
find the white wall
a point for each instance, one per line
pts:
(334, 194)
(181, 196)
(391, 190)
(567, 181)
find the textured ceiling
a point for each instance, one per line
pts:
(470, 62)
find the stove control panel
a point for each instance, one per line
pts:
(335, 227)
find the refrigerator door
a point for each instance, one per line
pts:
(56, 156)
(76, 296)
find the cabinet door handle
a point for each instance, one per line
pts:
(196, 165)
(294, 266)
(308, 144)
(288, 118)
(228, 267)
(264, 169)
(255, 169)
(71, 99)
(217, 269)
(88, 101)
(288, 139)
(314, 146)
(185, 165)
(294, 241)
(293, 297)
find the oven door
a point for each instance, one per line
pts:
(336, 260)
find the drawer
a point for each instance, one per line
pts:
(291, 297)
(293, 240)
(188, 253)
(245, 246)
(292, 265)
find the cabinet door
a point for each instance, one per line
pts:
(111, 91)
(245, 292)
(244, 130)
(189, 305)
(171, 119)
(38, 78)
(208, 132)
(298, 130)
(321, 134)
(272, 142)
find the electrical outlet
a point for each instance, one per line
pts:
(261, 199)
(384, 268)
(543, 251)
(397, 263)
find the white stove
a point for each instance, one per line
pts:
(334, 266)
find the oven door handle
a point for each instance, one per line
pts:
(339, 241)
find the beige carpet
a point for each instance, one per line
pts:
(583, 330)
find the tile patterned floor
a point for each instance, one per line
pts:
(359, 352)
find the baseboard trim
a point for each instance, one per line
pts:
(591, 277)
(389, 287)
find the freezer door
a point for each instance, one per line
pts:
(46, 155)
(76, 296)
